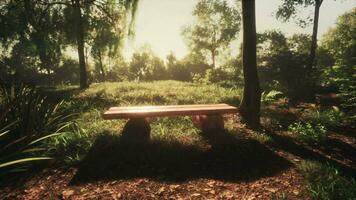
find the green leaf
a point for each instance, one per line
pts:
(45, 137)
(23, 161)
(1, 134)
(33, 150)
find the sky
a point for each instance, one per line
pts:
(159, 23)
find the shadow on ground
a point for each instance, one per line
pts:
(331, 152)
(226, 158)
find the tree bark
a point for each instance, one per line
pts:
(251, 100)
(314, 40)
(311, 60)
(101, 67)
(213, 55)
(80, 44)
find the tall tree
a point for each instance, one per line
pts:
(217, 24)
(146, 66)
(94, 7)
(106, 38)
(288, 10)
(340, 43)
(251, 100)
(36, 26)
(80, 43)
(35, 22)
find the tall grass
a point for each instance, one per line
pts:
(325, 183)
(26, 120)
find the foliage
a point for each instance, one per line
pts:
(176, 70)
(71, 147)
(308, 132)
(216, 76)
(107, 38)
(31, 25)
(217, 24)
(146, 66)
(27, 119)
(67, 72)
(282, 63)
(330, 118)
(290, 8)
(340, 43)
(190, 66)
(325, 182)
(35, 35)
(270, 96)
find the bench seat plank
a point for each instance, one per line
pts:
(163, 111)
(168, 106)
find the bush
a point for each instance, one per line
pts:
(270, 96)
(27, 119)
(344, 79)
(68, 72)
(330, 118)
(308, 132)
(325, 182)
(71, 147)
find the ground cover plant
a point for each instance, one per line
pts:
(27, 120)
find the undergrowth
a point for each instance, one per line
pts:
(325, 182)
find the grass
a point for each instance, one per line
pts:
(324, 182)
(89, 105)
(177, 149)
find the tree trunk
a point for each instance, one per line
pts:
(251, 100)
(101, 66)
(311, 60)
(80, 44)
(213, 57)
(314, 40)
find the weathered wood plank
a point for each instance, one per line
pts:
(167, 106)
(163, 111)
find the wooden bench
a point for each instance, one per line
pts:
(204, 116)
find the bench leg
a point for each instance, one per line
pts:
(208, 122)
(137, 129)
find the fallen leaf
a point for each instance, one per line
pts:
(174, 186)
(228, 194)
(196, 195)
(67, 193)
(273, 190)
(211, 183)
(160, 191)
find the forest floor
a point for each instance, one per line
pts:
(180, 162)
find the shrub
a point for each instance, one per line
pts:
(325, 182)
(26, 120)
(308, 132)
(270, 96)
(330, 118)
(70, 148)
